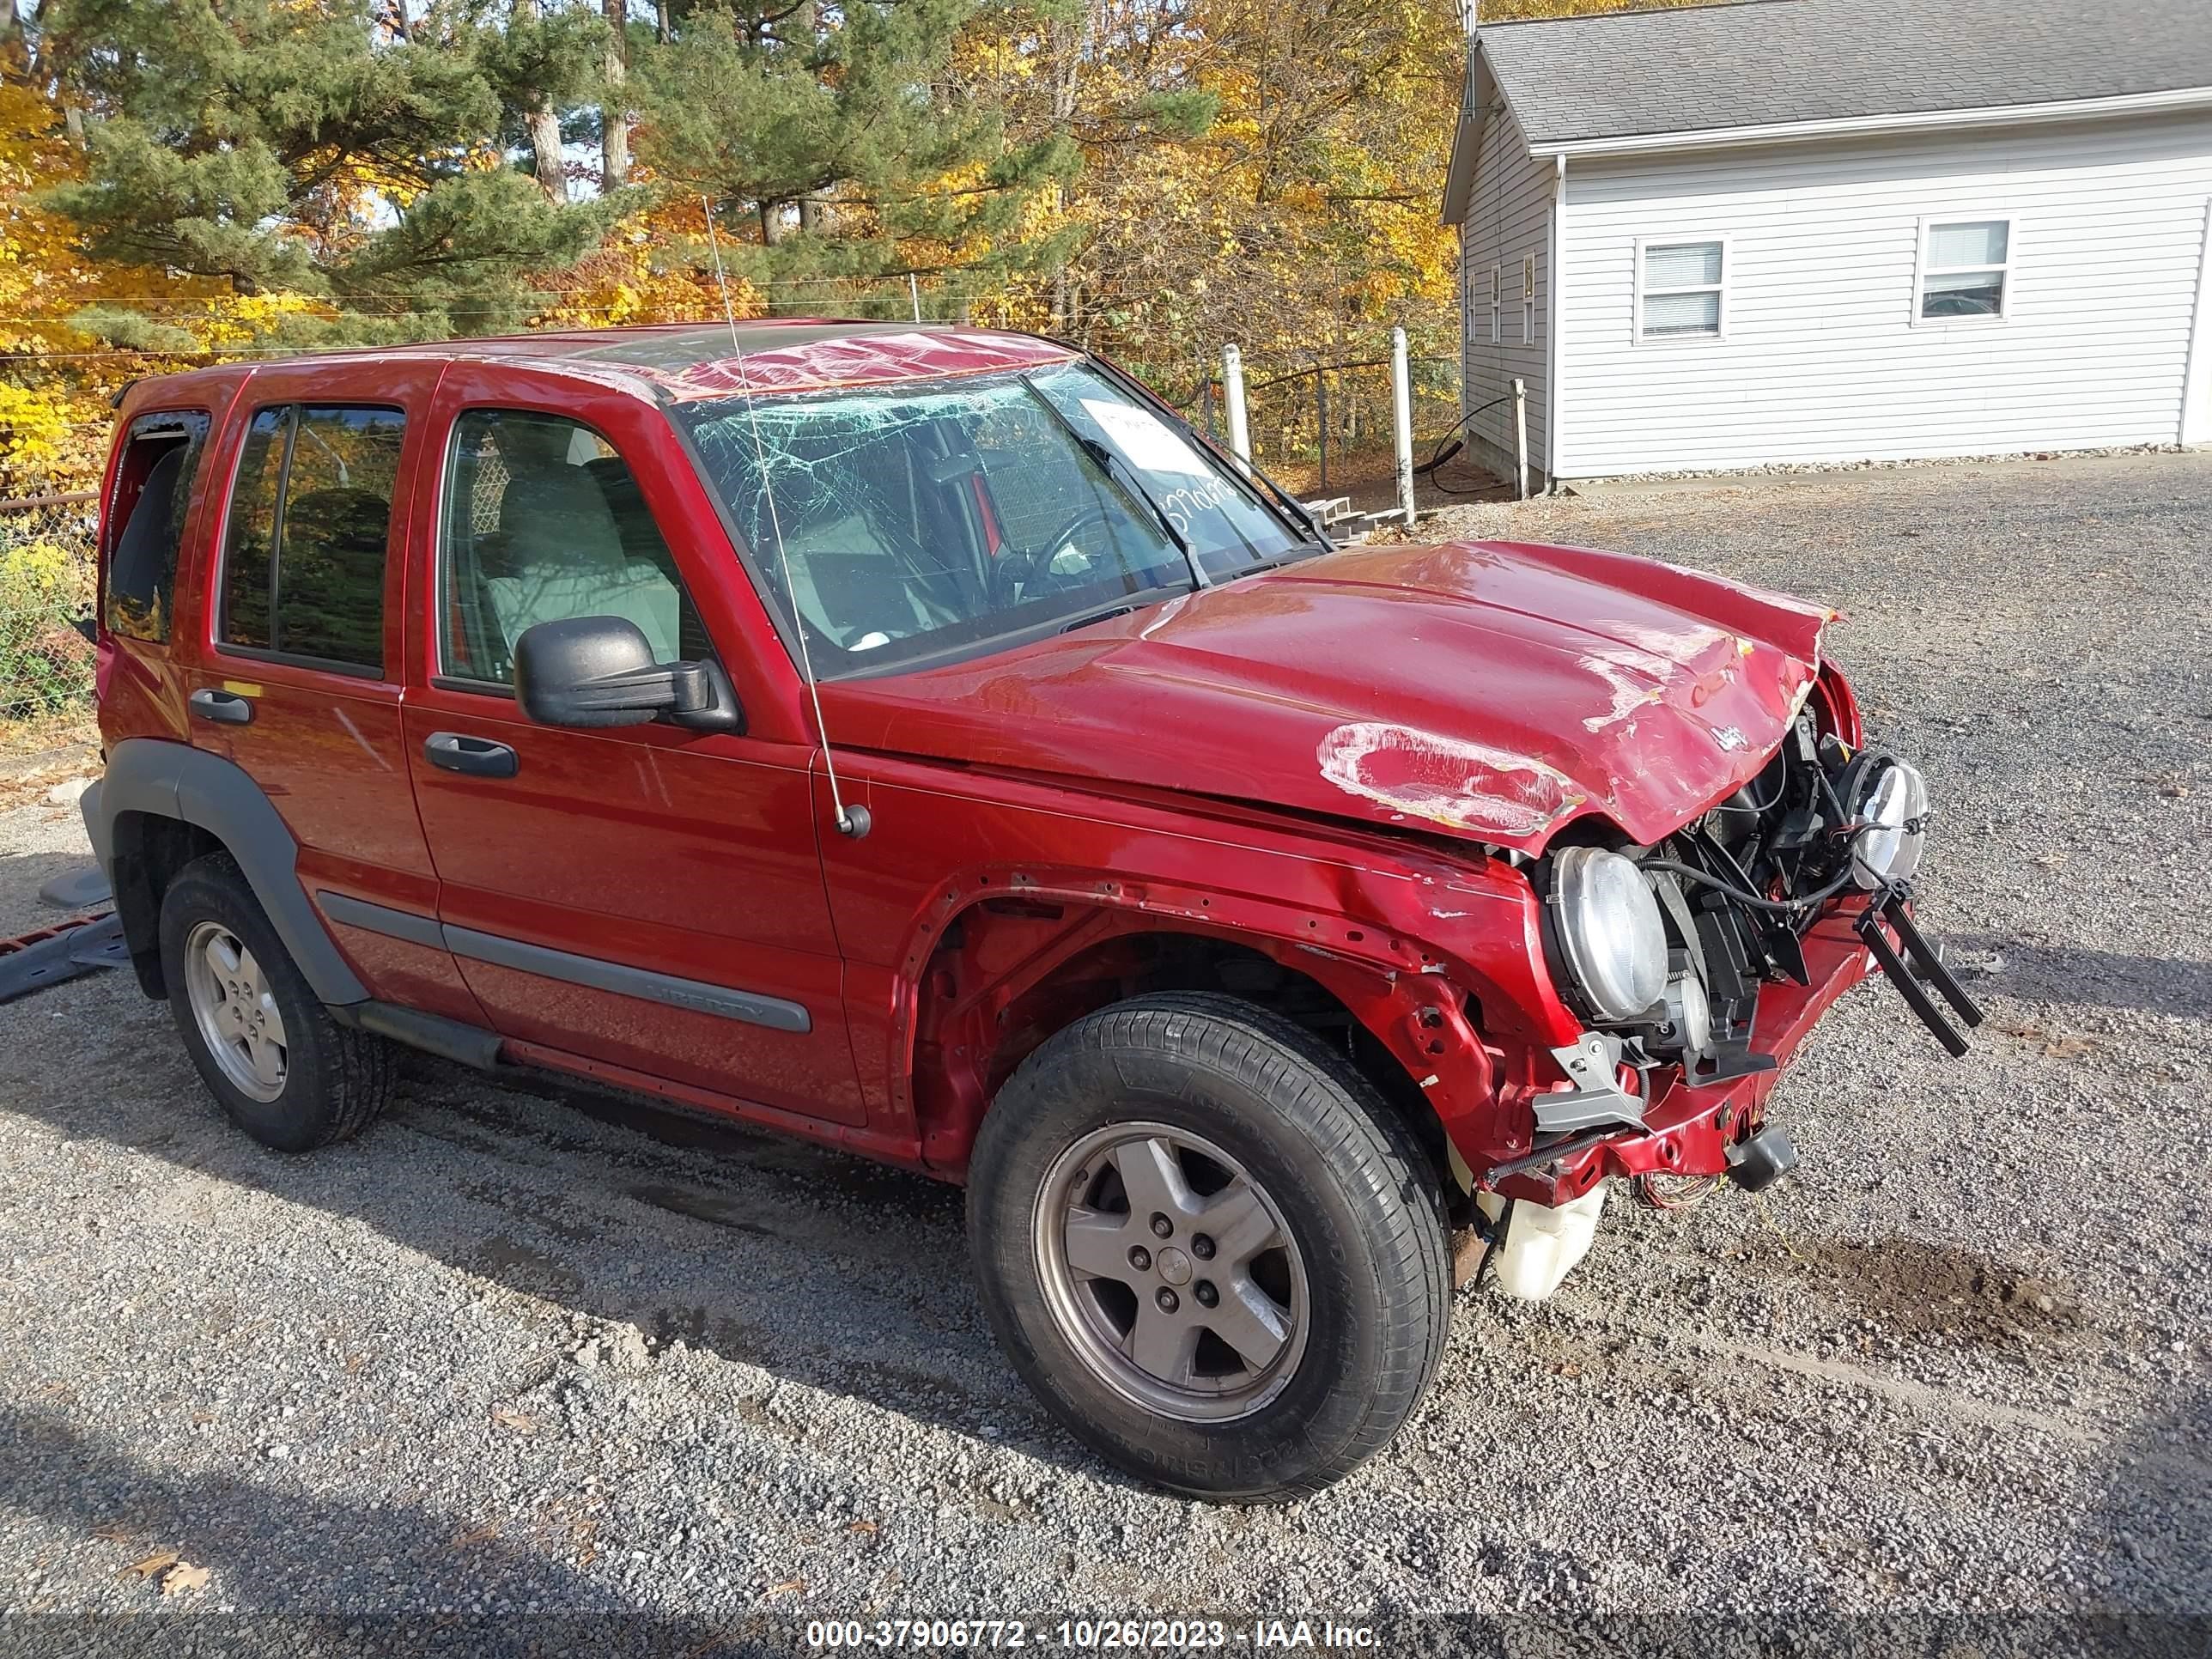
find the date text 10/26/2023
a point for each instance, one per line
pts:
(1090, 1635)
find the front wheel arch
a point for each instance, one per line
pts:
(1095, 955)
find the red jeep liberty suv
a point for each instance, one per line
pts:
(921, 740)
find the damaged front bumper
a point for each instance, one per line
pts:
(1689, 1128)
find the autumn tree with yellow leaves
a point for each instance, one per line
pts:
(185, 179)
(1266, 173)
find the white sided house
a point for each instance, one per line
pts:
(1789, 231)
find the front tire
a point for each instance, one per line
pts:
(1210, 1248)
(282, 1068)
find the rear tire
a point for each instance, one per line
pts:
(1260, 1303)
(284, 1071)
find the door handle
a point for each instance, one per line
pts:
(479, 757)
(224, 708)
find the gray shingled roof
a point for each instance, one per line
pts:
(1770, 61)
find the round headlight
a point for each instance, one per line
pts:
(1610, 931)
(1889, 850)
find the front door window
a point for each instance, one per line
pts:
(544, 522)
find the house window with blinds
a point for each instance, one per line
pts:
(1681, 289)
(1964, 267)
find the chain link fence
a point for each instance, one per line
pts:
(46, 590)
(1320, 421)
(1308, 413)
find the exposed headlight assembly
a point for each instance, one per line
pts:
(1609, 931)
(1690, 1011)
(1892, 802)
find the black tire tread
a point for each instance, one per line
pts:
(1352, 1127)
(1400, 1160)
(358, 1068)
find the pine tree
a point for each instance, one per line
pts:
(334, 148)
(831, 143)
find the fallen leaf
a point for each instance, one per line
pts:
(789, 1586)
(864, 1526)
(1570, 1371)
(184, 1576)
(353, 1363)
(2067, 1047)
(513, 1420)
(160, 1562)
(203, 1417)
(117, 1532)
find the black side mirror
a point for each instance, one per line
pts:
(599, 671)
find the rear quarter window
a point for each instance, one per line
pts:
(145, 525)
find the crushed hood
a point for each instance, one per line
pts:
(1493, 691)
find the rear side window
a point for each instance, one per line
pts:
(310, 522)
(146, 520)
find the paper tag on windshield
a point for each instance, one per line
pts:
(1147, 442)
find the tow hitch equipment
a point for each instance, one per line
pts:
(51, 956)
(1918, 967)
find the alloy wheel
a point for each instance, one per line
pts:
(236, 1012)
(1171, 1272)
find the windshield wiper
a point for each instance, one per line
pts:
(1304, 517)
(1103, 613)
(1297, 556)
(1106, 461)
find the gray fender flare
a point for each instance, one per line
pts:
(174, 780)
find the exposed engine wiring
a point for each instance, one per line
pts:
(1695, 1191)
(1773, 907)
(1719, 849)
(1848, 834)
(1781, 788)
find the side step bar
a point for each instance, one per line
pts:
(433, 1034)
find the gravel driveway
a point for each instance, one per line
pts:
(524, 1350)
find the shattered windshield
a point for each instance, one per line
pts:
(914, 520)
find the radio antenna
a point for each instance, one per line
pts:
(852, 821)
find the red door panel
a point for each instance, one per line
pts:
(677, 855)
(326, 745)
(642, 896)
(331, 756)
